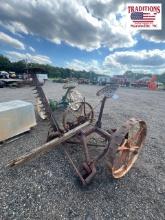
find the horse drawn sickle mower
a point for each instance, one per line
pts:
(122, 146)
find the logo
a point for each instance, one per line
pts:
(145, 16)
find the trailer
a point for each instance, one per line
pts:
(11, 82)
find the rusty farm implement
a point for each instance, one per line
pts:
(122, 146)
(71, 98)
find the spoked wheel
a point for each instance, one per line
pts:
(72, 118)
(131, 137)
(75, 99)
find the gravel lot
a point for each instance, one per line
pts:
(46, 188)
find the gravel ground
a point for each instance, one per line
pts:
(46, 187)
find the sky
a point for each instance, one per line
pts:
(91, 35)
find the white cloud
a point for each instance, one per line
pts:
(41, 59)
(143, 60)
(156, 35)
(14, 27)
(4, 38)
(32, 49)
(80, 65)
(103, 8)
(146, 61)
(86, 24)
(90, 66)
(80, 24)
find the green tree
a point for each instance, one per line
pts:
(52, 71)
(18, 67)
(5, 63)
(161, 78)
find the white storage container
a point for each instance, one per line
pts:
(16, 117)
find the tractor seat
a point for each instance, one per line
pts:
(108, 91)
(70, 85)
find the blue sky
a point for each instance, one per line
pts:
(90, 35)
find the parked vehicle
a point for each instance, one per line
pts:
(1, 84)
(4, 75)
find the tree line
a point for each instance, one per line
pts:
(59, 72)
(53, 72)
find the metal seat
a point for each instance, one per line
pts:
(69, 85)
(108, 91)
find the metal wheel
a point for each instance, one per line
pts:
(72, 118)
(74, 98)
(127, 141)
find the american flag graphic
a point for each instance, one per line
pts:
(142, 17)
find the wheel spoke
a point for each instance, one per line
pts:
(84, 113)
(134, 149)
(131, 149)
(84, 110)
(135, 138)
(127, 152)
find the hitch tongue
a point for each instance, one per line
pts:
(86, 173)
(90, 172)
